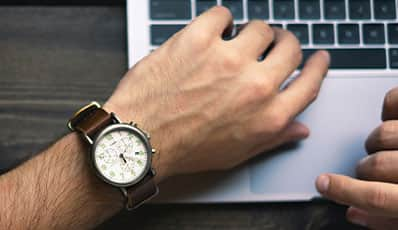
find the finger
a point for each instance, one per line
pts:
(295, 131)
(302, 91)
(254, 38)
(382, 166)
(384, 137)
(374, 197)
(215, 21)
(390, 107)
(284, 57)
(364, 219)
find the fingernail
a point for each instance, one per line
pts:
(322, 183)
(326, 55)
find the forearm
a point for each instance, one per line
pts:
(57, 189)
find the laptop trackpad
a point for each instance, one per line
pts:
(340, 121)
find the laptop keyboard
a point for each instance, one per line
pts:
(359, 34)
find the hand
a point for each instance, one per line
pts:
(373, 200)
(209, 104)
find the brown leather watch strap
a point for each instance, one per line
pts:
(141, 192)
(90, 121)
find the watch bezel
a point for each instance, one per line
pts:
(140, 134)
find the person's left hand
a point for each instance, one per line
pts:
(373, 198)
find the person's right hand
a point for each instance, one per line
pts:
(373, 196)
(209, 104)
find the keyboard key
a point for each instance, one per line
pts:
(283, 9)
(393, 33)
(394, 58)
(373, 34)
(384, 9)
(203, 5)
(359, 9)
(348, 33)
(334, 9)
(160, 33)
(323, 33)
(171, 9)
(309, 9)
(354, 58)
(235, 6)
(258, 9)
(301, 32)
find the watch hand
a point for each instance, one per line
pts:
(124, 159)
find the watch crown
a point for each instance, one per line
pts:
(148, 136)
(153, 151)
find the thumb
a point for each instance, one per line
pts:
(295, 131)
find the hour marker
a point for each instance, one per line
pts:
(139, 162)
(103, 167)
(112, 174)
(109, 137)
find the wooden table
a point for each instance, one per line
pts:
(52, 60)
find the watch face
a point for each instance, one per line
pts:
(122, 154)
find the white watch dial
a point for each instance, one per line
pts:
(121, 156)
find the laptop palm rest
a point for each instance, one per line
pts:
(346, 111)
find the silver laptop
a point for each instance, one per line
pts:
(362, 37)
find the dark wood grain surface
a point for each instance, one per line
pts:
(52, 60)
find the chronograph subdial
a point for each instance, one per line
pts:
(108, 156)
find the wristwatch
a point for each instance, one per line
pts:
(120, 153)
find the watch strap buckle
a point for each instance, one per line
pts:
(82, 113)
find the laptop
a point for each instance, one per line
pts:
(362, 38)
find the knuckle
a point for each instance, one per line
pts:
(231, 60)
(292, 39)
(378, 198)
(259, 89)
(200, 41)
(294, 51)
(263, 29)
(253, 94)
